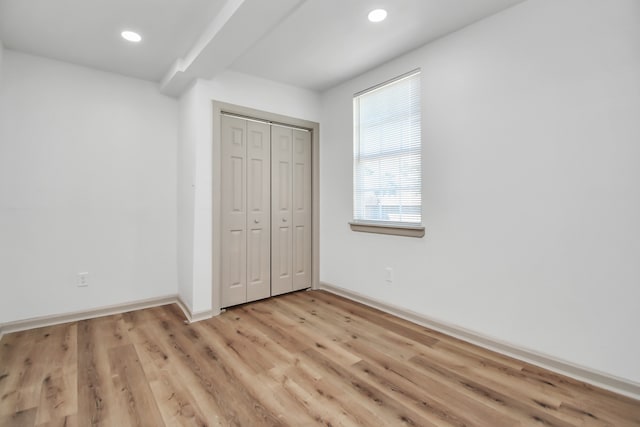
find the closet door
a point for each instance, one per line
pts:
(301, 209)
(246, 243)
(234, 211)
(281, 212)
(291, 209)
(259, 211)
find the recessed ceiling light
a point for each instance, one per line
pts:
(377, 15)
(131, 36)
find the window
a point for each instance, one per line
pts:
(387, 158)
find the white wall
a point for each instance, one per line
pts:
(196, 113)
(531, 133)
(1, 55)
(188, 126)
(87, 183)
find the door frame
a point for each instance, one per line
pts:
(216, 175)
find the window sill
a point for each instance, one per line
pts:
(393, 228)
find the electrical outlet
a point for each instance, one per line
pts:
(83, 279)
(388, 275)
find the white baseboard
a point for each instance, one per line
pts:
(193, 316)
(582, 373)
(39, 322)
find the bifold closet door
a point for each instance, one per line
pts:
(290, 209)
(245, 210)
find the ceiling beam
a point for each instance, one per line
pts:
(238, 26)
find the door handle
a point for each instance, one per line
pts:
(284, 219)
(256, 221)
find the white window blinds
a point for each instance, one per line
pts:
(387, 152)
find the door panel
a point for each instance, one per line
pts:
(284, 272)
(259, 214)
(236, 183)
(298, 176)
(236, 249)
(284, 184)
(301, 191)
(281, 188)
(299, 242)
(233, 213)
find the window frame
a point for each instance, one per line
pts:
(408, 229)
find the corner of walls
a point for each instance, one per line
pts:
(192, 316)
(187, 126)
(194, 207)
(202, 221)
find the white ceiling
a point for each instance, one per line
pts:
(87, 32)
(325, 42)
(314, 44)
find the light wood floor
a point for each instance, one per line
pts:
(309, 358)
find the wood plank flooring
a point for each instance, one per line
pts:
(302, 359)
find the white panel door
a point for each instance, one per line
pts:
(301, 206)
(258, 211)
(281, 212)
(266, 210)
(234, 210)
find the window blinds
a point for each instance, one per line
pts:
(387, 152)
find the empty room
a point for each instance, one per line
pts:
(319, 212)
